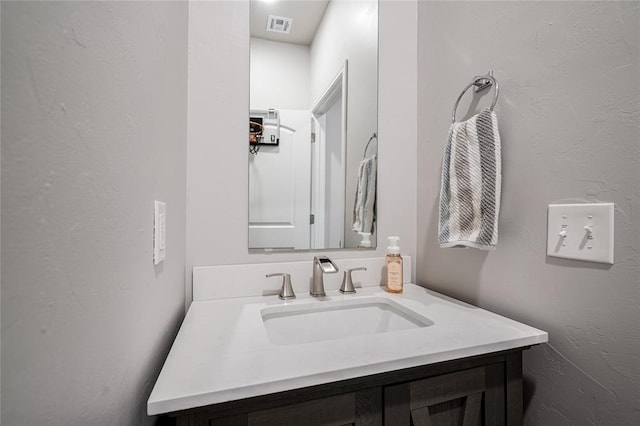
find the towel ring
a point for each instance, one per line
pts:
(481, 82)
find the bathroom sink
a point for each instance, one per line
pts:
(337, 319)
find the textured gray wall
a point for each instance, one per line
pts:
(94, 105)
(569, 119)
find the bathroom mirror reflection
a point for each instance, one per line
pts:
(312, 124)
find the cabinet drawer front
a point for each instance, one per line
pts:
(333, 411)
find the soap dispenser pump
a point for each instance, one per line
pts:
(394, 266)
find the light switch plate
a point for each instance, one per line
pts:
(159, 232)
(581, 232)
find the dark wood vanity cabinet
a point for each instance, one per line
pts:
(481, 390)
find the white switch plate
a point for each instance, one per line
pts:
(159, 232)
(567, 236)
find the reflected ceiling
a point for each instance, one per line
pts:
(306, 16)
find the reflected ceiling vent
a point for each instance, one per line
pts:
(279, 24)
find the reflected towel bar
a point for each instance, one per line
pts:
(374, 136)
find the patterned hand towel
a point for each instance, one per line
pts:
(471, 179)
(364, 214)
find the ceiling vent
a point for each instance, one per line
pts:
(279, 24)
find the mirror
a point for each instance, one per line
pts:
(313, 124)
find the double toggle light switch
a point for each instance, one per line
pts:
(587, 228)
(581, 232)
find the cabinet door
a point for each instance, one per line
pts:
(468, 398)
(363, 408)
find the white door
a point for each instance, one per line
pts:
(279, 187)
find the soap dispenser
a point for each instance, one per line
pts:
(394, 266)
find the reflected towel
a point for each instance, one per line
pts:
(364, 214)
(470, 187)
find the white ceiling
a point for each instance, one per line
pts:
(306, 15)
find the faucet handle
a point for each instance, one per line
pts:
(347, 283)
(286, 292)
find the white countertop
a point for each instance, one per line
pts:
(222, 351)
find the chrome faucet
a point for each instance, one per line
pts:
(321, 265)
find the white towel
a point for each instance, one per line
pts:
(471, 180)
(364, 214)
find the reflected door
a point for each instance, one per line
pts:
(279, 181)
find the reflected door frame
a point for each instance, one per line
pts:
(324, 172)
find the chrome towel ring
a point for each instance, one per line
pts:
(481, 82)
